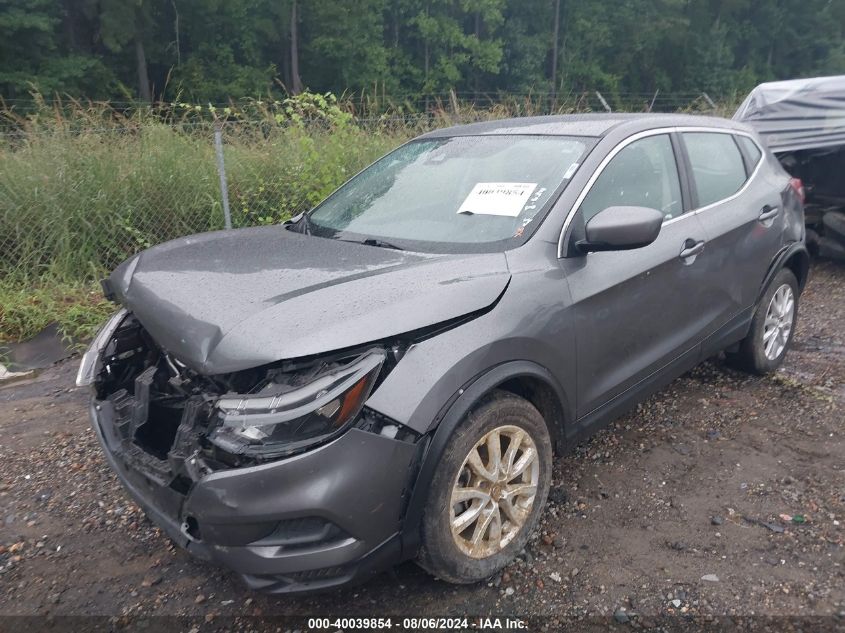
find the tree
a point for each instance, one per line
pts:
(555, 44)
(344, 44)
(459, 41)
(527, 55)
(295, 80)
(123, 25)
(414, 50)
(229, 48)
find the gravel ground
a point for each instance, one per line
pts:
(722, 495)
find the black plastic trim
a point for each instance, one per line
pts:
(683, 171)
(779, 262)
(688, 174)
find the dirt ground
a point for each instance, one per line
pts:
(722, 495)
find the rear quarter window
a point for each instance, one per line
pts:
(751, 151)
(717, 167)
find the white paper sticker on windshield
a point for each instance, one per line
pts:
(572, 169)
(498, 198)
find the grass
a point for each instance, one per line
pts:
(81, 191)
(77, 309)
(75, 204)
(84, 186)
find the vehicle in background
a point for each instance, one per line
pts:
(387, 376)
(802, 121)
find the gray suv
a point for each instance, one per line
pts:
(388, 376)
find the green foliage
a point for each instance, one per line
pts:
(81, 192)
(310, 107)
(294, 169)
(343, 43)
(529, 25)
(225, 49)
(78, 309)
(410, 50)
(83, 186)
(453, 53)
(26, 44)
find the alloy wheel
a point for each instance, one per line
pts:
(494, 491)
(778, 323)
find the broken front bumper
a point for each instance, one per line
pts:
(312, 521)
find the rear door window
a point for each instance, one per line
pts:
(642, 174)
(717, 167)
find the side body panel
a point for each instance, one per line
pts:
(636, 311)
(532, 322)
(744, 232)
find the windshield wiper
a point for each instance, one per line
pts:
(372, 241)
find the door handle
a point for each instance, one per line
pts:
(767, 213)
(691, 249)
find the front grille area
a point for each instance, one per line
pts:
(160, 410)
(157, 434)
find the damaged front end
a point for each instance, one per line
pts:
(277, 471)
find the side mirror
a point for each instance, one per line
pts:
(621, 229)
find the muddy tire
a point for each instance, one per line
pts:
(488, 491)
(772, 327)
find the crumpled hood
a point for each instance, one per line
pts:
(232, 300)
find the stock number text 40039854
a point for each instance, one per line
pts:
(417, 623)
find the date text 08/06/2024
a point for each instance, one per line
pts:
(479, 624)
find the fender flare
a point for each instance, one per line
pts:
(451, 415)
(783, 256)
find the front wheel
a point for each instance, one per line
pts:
(488, 492)
(772, 326)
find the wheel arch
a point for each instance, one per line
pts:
(793, 257)
(522, 378)
(799, 263)
(543, 395)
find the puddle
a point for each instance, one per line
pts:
(818, 344)
(43, 350)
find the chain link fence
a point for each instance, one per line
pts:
(75, 202)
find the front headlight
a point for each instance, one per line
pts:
(88, 366)
(276, 422)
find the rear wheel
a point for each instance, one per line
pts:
(488, 492)
(772, 327)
